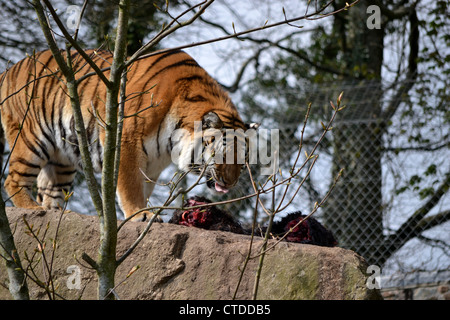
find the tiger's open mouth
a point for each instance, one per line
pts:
(213, 184)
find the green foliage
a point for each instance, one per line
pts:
(418, 183)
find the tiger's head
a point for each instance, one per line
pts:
(214, 150)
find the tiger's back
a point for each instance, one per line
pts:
(35, 104)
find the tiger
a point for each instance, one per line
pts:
(164, 92)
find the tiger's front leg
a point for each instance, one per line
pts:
(53, 182)
(18, 185)
(131, 186)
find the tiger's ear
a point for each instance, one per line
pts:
(211, 120)
(252, 125)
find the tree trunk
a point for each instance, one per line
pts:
(17, 284)
(354, 209)
(107, 263)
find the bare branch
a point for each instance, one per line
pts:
(411, 74)
(411, 227)
(77, 29)
(170, 29)
(432, 221)
(75, 44)
(317, 14)
(428, 147)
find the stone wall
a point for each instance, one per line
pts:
(177, 262)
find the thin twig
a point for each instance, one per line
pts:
(316, 207)
(300, 147)
(55, 238)
(170, 29)
(75, 44)
(120, 116)
(266, 239)
(77, 29)
(247, 258)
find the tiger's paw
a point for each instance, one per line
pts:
(145, 216)
(38, 210)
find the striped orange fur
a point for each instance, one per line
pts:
(36, 111)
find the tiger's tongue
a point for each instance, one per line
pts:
(220, 188)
